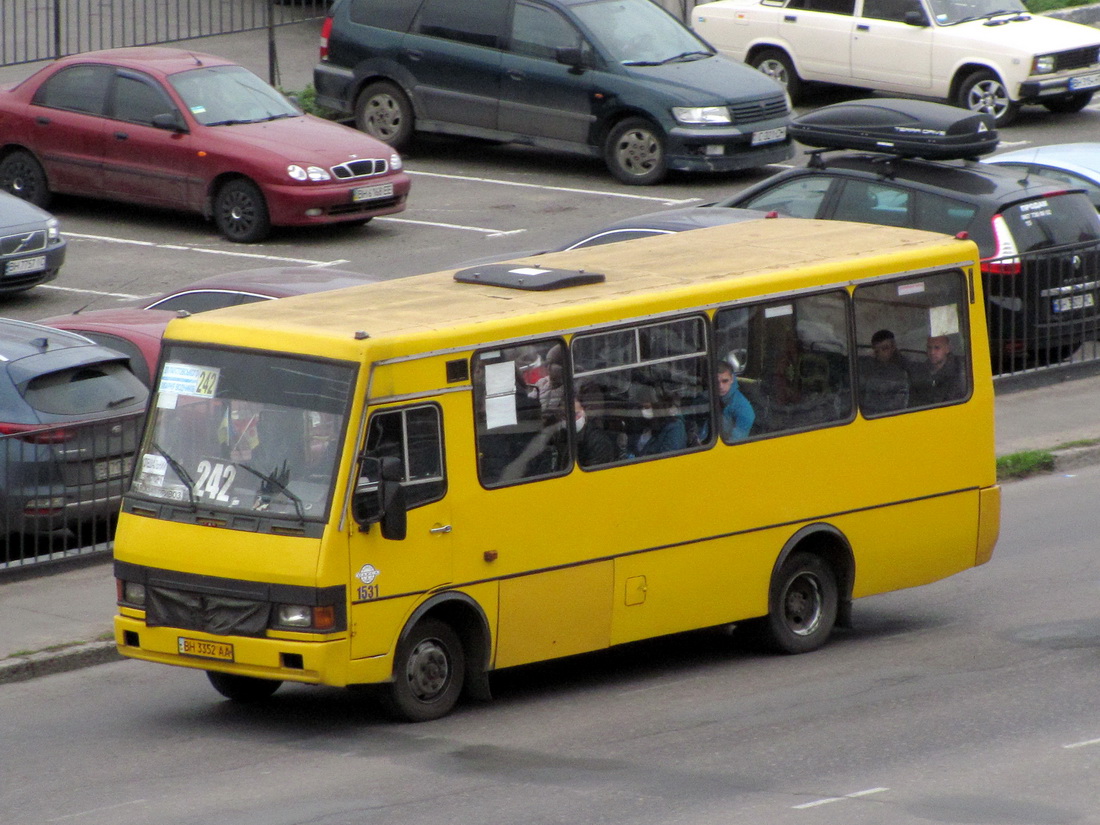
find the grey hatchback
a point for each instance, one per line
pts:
(618, 79)
(70, 418)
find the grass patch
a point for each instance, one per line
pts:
(1025, 463)
(1081, 442)
(1040, 6)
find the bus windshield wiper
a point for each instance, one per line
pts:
(272, 481)
(181, 474)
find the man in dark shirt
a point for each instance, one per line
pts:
(939, 380)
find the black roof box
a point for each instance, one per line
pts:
(905, 128)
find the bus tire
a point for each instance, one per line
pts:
(242, 688)
(428, 673)
(802, 605)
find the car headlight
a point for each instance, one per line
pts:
(1042, 64)
(395, 162)
(701, 114)
(314, 173)
(53, 229)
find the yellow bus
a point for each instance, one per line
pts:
(416, 482)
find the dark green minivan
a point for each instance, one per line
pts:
(618, 79)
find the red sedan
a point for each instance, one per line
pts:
(184, 130)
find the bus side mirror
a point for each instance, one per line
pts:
(382, 502)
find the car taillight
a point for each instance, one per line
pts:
(326, 30)
(37, 434)
(1005, 260)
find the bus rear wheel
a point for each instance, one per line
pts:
(802, 605)
(428, 673)
(242, 688)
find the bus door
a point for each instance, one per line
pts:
(387, 575)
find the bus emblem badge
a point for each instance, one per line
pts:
(367, 574)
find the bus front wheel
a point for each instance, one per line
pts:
(242, 688)
(802, 605)
(428, 673)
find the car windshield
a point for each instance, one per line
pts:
(243, 431)
(639, 33)
(227, 95)
(949, 12)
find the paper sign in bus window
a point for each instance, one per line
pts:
(500, 394)
(186, 379)
(943, 320)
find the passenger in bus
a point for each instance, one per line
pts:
(594, 444)
(738, 415)
(941, 378)
(883, 376)
(662, 428)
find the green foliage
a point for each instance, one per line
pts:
(307, 99)
(1040, 6)
(1025, 463)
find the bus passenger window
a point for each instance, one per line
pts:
(791, 359)
(653, 384)
(912, 340)
(415, 436)
(520, 414)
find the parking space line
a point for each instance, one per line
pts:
(204, 250)
(596, 192)
(818, 802)
(122, 295)
(492, 233)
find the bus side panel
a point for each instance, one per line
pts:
(556, 613)
(696, 585)
(912, 543)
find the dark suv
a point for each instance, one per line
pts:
(1039, 242)
(621, 79)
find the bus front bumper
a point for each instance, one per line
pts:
(324, 662)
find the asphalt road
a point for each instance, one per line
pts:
(971, 700)
(469, 200)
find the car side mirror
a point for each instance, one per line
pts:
(573, 58)
(382, 502)
(916, 17)
(168, 121)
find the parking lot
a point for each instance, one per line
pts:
(469, 200)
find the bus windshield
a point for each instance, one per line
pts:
(245, 432)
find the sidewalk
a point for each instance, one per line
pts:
(63, 621)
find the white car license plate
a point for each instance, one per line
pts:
(769, 135)
(371, 193)
(35, 264)
(113, 468)
(1085, 81)
(1074, 302)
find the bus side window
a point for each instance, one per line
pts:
(414, 436)
(654, 383)
(794, 360)
(912, 330)
(519, 412)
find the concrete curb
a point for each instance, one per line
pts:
(49, 662)
(1075, 457)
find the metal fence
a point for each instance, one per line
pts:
(33, 30)
(60, 489)
(1043, 309)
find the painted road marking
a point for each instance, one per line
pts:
(595, 192)
(827, 800)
